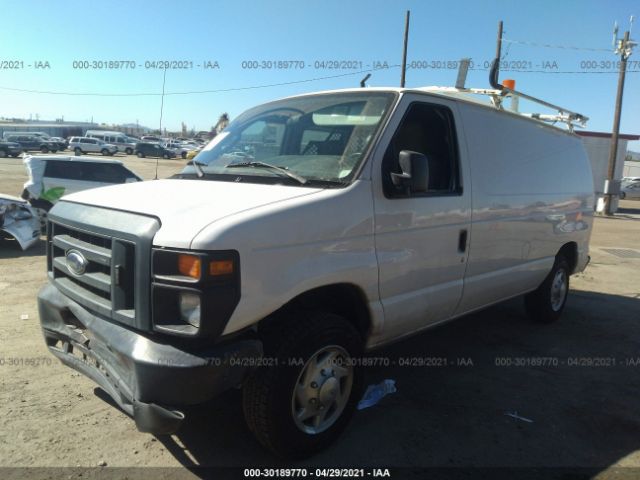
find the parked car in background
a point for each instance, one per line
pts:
(146, 149)
(10, 149)
(176, 147)
(630, 191)
(125, 144)
(51, 177)
(91, 145)
(626, 180)
(31, 143)
(151, 138)
(62, 143)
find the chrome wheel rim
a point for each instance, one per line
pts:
(558, 290)
(322, 390)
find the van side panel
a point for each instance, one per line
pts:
(532, 193)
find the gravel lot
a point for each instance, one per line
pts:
(581, 415)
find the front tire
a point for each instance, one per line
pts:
(140, 155)
(77, 151)
(129, 151)
(3, 154)
(104, 152)
(302, 403)
(546, 303)
(44, 149)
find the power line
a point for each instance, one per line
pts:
(555, 71)
(253, 87)
(192, 92)
(564, 47)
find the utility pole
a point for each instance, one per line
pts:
(404, 49)
(625, 47)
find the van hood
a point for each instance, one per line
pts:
(185, 207)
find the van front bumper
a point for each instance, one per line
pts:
(148, 378)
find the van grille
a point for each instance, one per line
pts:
(107, 285)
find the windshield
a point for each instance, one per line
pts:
(322, 138)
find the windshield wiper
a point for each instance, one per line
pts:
(283, 171)
(198, 167)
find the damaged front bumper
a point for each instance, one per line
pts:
(149, 379)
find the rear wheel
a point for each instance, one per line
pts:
(3, 154)
(104, 152)
(546, 303)
(128, 151)
(44, 149)
(165, 156)
(140, 155)
(303, 397)
(77, 151)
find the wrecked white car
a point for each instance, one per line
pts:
(19, 221)
(52, 176)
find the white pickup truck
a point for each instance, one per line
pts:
(312, 230)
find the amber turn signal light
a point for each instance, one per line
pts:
(220, 267)
(189, 265)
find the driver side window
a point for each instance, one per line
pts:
(427, 129)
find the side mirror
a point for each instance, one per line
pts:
(415, 172)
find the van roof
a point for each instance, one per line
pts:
(475, 96)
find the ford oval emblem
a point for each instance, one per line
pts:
(76, 263)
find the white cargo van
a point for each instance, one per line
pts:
(125, 144)
(311, 231)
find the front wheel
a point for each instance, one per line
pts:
(546, 303)
(184, 154)
(140, 155)
(77, 151)
(303, 397)
(44, 149)
(165, 156)
(129, 151)
(3, 154)
(104, 152)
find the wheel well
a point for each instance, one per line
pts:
(344, 299)
(570, 252)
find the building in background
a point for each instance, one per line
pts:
(597, 145)
(58, 128)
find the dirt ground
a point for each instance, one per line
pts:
(579, 412)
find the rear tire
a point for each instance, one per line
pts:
(140, 155)
(104, 152)
(44, 149)
(303, 396)
(129, 151)
(546, 303)
(77, 151)
(3, 154)
(165, 156)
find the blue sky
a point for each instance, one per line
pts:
(360, 31)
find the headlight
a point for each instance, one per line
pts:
(194, 292)
(190, 308)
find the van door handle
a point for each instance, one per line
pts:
(462, 241)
